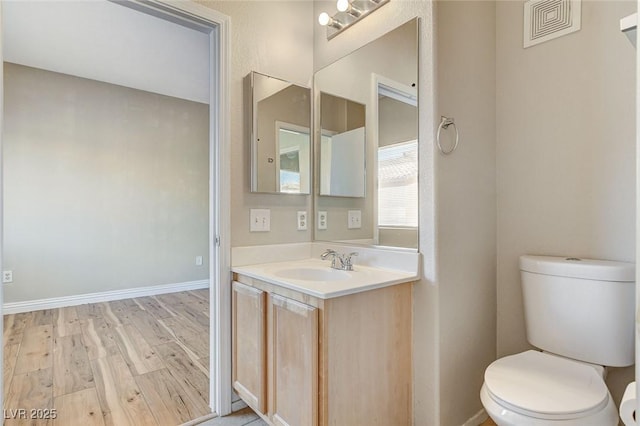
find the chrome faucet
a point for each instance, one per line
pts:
(339, 261)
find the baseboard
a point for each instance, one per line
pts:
(477, 419)
(103, 296)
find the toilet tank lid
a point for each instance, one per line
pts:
(590, 269)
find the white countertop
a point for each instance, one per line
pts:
(337, 283)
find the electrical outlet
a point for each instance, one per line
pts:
(260, 220)
(7, 276)
(302, 221)
(355, 219)
(198, 260)
(322, 220)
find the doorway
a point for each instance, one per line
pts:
(217, 28)
(396, 159)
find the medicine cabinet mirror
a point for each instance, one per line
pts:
(366, 143)
(280, 136)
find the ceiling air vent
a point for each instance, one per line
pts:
(545, 20)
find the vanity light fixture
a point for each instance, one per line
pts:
(327, 21)
(347, 6)
(349, 12)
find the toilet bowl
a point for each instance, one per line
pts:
(535, 388)
(582, 313)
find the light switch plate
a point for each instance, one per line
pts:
(260, 220)
(322, 220)
(355, 219)
(302, 221)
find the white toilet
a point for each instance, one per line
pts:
(581, 313)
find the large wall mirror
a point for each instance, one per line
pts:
(280, 136)
(366, 142)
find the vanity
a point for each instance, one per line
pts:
(319, 346)
(311, 344)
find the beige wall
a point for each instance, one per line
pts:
(565, 152)
(466, 205)
(397, 122)
(105, 187)
(272, 38)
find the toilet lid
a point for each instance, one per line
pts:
(546, 386)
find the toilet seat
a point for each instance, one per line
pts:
(546, 386)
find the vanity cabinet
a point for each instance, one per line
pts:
(338, 361)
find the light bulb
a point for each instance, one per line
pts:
(343, 5)
(324, 19)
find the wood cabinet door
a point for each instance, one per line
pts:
(294, 363)
(249, 373)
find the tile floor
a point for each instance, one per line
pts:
(247, 417)
(244, 417)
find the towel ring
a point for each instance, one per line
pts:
(444, 124)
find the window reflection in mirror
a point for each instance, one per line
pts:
(280, 136)
(397, 169)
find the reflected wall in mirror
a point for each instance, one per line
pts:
(280, 136)
(382, 77)
(342, 147)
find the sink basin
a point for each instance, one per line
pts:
(313, 274)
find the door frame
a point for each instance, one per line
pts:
(637, 245)
(219, 28)
(220, 394)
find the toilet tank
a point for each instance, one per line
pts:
(580, 308)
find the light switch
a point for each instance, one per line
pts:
(322, 220)
(302, 221)
(355, 219)
(260, 220)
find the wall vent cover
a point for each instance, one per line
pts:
(545, 20)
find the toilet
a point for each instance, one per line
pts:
(580, 313)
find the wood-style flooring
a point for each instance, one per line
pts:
(142, 361)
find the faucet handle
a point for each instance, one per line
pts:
(347, 263)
